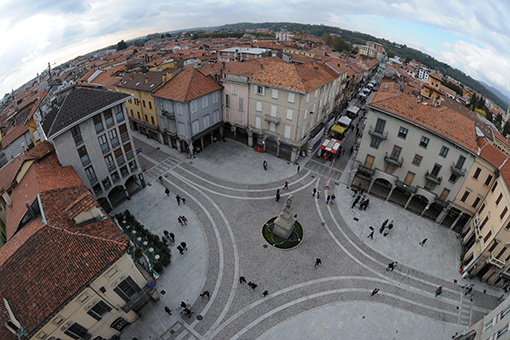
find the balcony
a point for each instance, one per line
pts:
(393, 160)
(433, 178)
(271, 119)
(498, 263)
(129, 154)
(124, 137)
(169, 115)
(458, 171)
(365, 171)
(379, 134)
(93, 180)
(406, 187)
(120, 160)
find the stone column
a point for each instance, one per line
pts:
(391, 191)
(250, 138)
(293, 154)
(442, 215)
(278, 148)
(178, 145)
(202, 142)
(408, 201)
(456, 220)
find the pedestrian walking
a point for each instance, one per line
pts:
(184, 220)
(355, 192)
(371, 235)
(298, 168)
(375, 291)
(381, 229)
(390, 226)
(314, 192)
(171, 237)
(468, 290)
(184, 245)
(252, 285)
(168, 311)
(183, 200)
(286, 185)
(386, 232)
(277, 195)
(351, 150)
(178, 198)
(264, 293)
(264, 165)
(167, 192)
(318, 194)
(318, 262)
(365, 204)
(179, 220)
(501, 297)
(327, 199)
(422, 243)
(205, 293)
(181, 251)
(355, 201)
(391, 266)
(332, 199)
(439, 290)
(242, 279)
(183, 304)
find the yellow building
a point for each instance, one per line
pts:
(432, 90)
(141, 108)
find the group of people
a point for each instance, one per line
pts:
(252, 285)
(385, 228)
(182, 220)
(363, 202)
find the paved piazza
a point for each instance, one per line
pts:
(229, 197)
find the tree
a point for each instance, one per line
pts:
(390, 53)
(121, 45)
(506, 128)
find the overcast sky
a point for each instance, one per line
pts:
(471, 35)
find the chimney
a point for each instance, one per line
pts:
(261, 67)
(146, 79)
(7, 199)
(164, 77)
(130, 77)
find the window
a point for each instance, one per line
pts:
(424, 142)
(307, 97)
(84, 156)
(227, 100)
(259, 106)
(395, 153)
(487, 237)
(289, 114)
(233, 88)
(119, 114)
(481, 209)
(109, 162)
(504, 312)
(417, 160)
(206, 121)
(115, 177)
(119, 156)
(215, 97)
(150, 105)
(205, 101)
(146, 118)
(99, 310)
(453, 177)
(98, 123)
(103, 142)
(77, 331)
(475, 203)
(501, 332)
(287, 131)
(114, 138)
(178, 108)
(216, 116)
(305, 115)
(152, 120)
(91, 174)
(119, 324)
(444, 151)
(108, 118)
(138, 113)
(444, 194)
(240, 118)
(316, 92)
(488, 180)
(379, 126)
(75, 131)
(124, 171)
(375, 142)
(503, 213)
(194, 105)
(272, 126)
(258, 122)
(465, 196)
(477, 173)
(273, 110)
(143, 102)
(241, 104)
(274, 94)
(195, 127)
(494, 186)
(259, 90)
(499, 199)
(291, 97)
(435, 170)
(127, 289)
(460, 162)
(402, 132)
(487, 326)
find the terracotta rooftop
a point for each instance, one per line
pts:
(441, 120)
(45, 265)
(187, 85)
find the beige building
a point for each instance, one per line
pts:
(287, 102)
(64, 271)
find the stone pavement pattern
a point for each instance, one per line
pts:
(229, 197)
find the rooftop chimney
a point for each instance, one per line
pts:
(261, 67)
(146, 79)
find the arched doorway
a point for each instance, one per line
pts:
(271, 146)
(133, 185)
(105, 204)
(117, 195)
(381, 187)
(400, 196)
(417, 204)
(285, 151)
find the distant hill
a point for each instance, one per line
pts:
(497, 93)
(360, 38)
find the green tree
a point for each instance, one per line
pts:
(121, 45)
(390, 53)
(506, 128)
(328, 39)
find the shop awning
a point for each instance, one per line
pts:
(338, 128)
(331, 145)
(353, 109)
(344, 121)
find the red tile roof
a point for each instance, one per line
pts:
(49, 263)
(444, 121)
(187, 85)
(8, 173)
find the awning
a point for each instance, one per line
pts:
(362, 95)
(331, 145)
(345, 121)
(353, 109)
(338, 128)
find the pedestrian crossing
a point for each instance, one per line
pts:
(162, 168)
(465, 310)
(323, 169)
